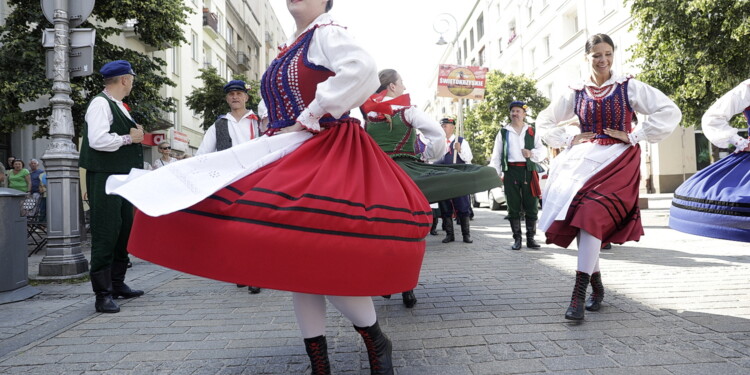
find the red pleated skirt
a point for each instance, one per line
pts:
(606, 206)
(337, 216)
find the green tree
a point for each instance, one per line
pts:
(692, 50)
(210, 100)
(22, 61)
(484, 120)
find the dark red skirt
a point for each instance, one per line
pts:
(337, 216)
(606, 206)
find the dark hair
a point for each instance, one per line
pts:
(386, 77)
(329, 5)
(596, 39)
(23, 165)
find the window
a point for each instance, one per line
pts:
(500, 45)
(222, 66)
(533, 57)
(530, 10)
(512, 31)
(220, 24)
(482, 57)
(480, 27)
(230, 35)
(465, 48)
(176, 60)
(458, 57)
(570, 26)
(471, 38)
(545, 45)
(194, 45)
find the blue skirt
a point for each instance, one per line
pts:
(715, 202)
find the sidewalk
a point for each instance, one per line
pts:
(675, 304)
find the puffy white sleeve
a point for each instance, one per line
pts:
(663, 114)
(715, 122)
(465, 153)
(550, 122)
(539, 152)
(432, 133)
(99, 122)
(496, 150)
(208, 144)
(355, 76)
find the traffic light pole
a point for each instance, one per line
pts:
(64, 258)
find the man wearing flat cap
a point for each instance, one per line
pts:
(459, 152)
(111, 144)
(238, 126)
(515, 154)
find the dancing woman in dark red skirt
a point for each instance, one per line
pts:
(314, 207)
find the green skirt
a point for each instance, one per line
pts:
(440, 182)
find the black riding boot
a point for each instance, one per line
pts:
(101, 282)
(448, 226)
(578, 300)
(409, 298)
(119, 288)
(594, 303)
(465, 228)
(317, 350)
(515, 226)
(530, 233)
(378, 349)
(433, 230)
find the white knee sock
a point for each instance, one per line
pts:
(588, 252)
(359, 310)
(310, 310)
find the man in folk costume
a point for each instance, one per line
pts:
(459, 152)
(515, 154)
(238, 126)
(110, 145)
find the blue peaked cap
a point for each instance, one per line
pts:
(235, 85)
(518, 104)
(116, 68)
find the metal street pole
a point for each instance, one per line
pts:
(64, 258)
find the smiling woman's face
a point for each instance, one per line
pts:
(600, 59)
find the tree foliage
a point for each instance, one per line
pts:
(692, 50)
(210, 100)
(22, 60)
(483, 121)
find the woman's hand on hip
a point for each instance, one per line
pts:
(583, 137)
(617, 134)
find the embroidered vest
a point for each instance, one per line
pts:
(396, 138)
(448, 158)
(120, 161)
(528, 143)
(608, 112)
(289, 84)
(223, 140)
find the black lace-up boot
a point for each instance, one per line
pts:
(317, 350)
(378, 349)
(594, 303)
(578, 300)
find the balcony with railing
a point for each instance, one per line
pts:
(211, 23)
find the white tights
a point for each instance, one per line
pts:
(310, 310)
(588, 252)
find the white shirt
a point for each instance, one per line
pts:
(355, 79)
(99, 120)
(465, 153)
(663, 114)
(160, 162)
(432, 133)
(715, 122)
(239, 131)
(516, 142)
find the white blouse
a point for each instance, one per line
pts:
(355, 72)
(663, 114)
(715, 121)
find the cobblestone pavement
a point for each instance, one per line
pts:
(675, 304)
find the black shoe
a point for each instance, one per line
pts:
(465, 228)
(119, 288)
(433, 230)
(317, 350)
(530, 233)
(253, 290)
(409, 299)
(607, 246)
(448, 226)
(387, 296)
(241, 286)
(101, 283)
(515, 226)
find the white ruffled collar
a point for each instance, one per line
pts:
(615, 78)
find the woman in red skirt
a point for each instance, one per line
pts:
(592, 191)
(314, 207)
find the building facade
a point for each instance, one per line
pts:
(234, 36)
(545, 40)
